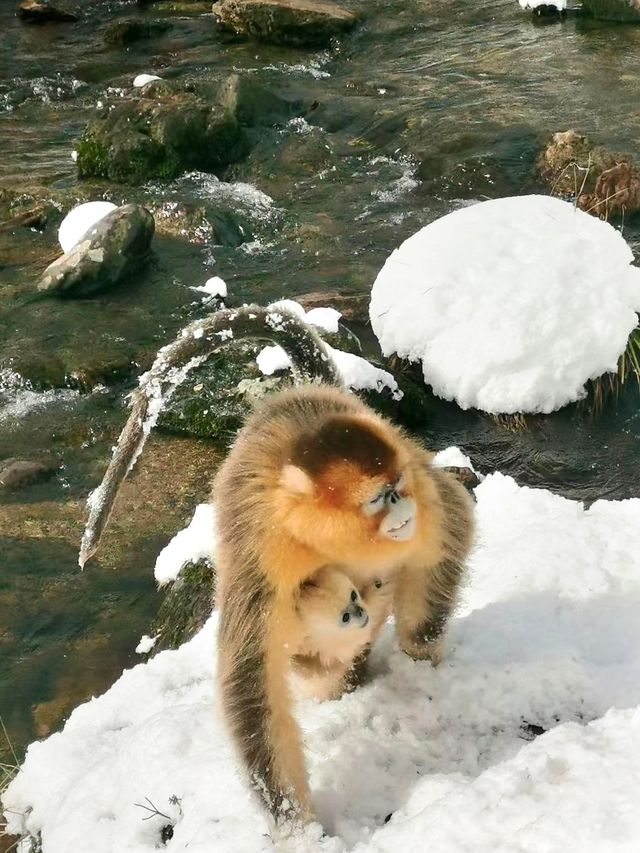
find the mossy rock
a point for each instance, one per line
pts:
(161, 135)
(202, 224)
(186, 607)
(129, 30)
(214, 401)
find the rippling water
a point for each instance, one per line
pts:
(428, 105)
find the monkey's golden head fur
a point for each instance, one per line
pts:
(333, 473)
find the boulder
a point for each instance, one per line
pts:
(301, 23)
(114, 248)
(40, 12)
(15, 473)
(624, 11)
(254, 105)
(129, 30)
(601, 182)
(159, 134)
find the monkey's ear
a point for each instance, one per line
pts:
(296, 480)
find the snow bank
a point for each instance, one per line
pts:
(195, 542)
(142, 80)
(79, 220)
(547, 636)
(511, 305)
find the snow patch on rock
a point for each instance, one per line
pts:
(80, 220)
(511, 305)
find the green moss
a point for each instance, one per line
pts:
(93, 158)
(186, 607)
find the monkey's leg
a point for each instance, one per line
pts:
(424, 599)
(357, 673)
(253, 671)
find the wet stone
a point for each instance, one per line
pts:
(301, 23)
(254, 105)
(15, 473)
(39, 11)
(129, 30)
(114, 248)
(159, 134)
(186, 606)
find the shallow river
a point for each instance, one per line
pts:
(427, 105)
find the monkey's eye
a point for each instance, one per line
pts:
(354, 595)
(376, 503)
(346, 616)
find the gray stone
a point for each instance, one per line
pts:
(114, 248)
(15, 473)
(253, 105)
(302, 23)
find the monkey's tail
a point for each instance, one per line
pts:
(310, 360)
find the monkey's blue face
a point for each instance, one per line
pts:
(397, 511)
(354, 615)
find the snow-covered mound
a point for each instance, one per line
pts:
(79, 220)
(547, 637)
(511, 305)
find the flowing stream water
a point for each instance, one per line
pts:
(426, 106)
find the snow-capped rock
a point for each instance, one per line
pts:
(511, 305)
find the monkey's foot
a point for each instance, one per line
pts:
(431, 651)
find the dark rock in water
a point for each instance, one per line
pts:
(159, 136)
(302, 23)
(466, 476)
(600, 182)
(115, 247)
(186, 607)
(39, 11)
(253, 105)
(207, 224)
(623, 11)
(128, 30)
(15, 473)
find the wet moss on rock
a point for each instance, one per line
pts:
(160, 135)
(186, 606)
(129, 30)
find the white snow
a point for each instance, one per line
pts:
(143, 79)
(194, 543)
(453, 457)
(548, 635)
(511, 305)
(146, 644)
(79, 220)
(324, 318)
(215, 286)
(533, 4)
(356, 372)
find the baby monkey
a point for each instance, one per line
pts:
(338, 623)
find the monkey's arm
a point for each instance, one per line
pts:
(426, 592)
(195, 343)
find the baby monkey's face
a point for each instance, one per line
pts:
(329, 602)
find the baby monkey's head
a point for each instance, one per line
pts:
(349, 484)
(329, 601)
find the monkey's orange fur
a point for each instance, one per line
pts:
(289, 502)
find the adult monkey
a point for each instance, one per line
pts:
(314, 479)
